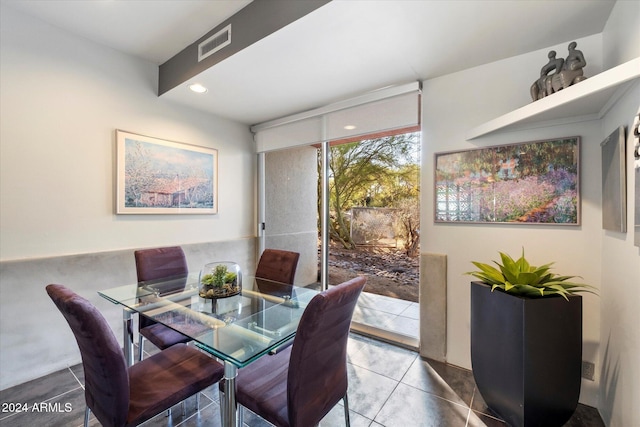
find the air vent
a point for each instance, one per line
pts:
(214, 43)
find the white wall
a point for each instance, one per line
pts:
(621, 35)
(62, 97)
(620, 295)
(456, 103)
(452, 105)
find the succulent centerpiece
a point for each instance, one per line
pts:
(220, 280)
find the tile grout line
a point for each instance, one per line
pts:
(463, 405)
(398, 382)
(473, 396)
(475, 390)
(361, 367)
(433, 394)
(384, 403)
(74, 376)
(378, 373)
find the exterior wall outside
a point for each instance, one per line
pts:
(619, 372)
(452, 105)
(291, 204)
(62, 97)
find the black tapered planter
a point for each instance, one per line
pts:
(526, 355)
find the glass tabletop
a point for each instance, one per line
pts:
(237, 329)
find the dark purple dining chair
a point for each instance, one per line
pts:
(300, 385)
(275, 271)
(278, 265)
(154, 264)
(127, 396)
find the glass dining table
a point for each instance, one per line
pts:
(237, 330)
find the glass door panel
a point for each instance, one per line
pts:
(292, 192)
(291, 207)
(374, 228)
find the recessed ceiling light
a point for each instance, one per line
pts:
(349, 127)
(197, 88)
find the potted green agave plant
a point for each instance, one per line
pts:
(526, 341)
(519, 277)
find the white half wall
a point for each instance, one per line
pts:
(35, 340)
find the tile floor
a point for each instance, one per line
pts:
(390, 314)
(388, 386)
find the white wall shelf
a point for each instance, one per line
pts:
(589, 99)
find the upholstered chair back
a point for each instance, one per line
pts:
(105, 369)
(278, 265)
(158, 263)
(317, 378)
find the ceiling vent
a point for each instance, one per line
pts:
(214, 43)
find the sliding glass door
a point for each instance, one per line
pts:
(372, 226)
(299, 160)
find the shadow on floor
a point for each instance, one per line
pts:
(389, 386)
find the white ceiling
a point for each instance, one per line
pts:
(343, 49)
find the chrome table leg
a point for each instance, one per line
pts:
(127, 329)
(229, 412)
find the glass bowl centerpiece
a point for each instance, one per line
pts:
(220, 280)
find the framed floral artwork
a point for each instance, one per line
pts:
(525, 183)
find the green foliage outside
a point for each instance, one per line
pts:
(381, 172)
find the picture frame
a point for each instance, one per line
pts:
(614, 179)
(157, 176)
(536, 182)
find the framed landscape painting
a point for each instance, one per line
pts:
(525, 183)
(155, 176)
